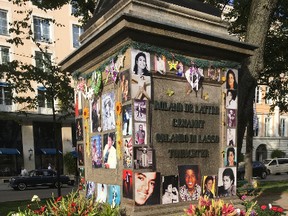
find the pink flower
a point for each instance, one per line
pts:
(263, 207)
(243, 197)
(227, 209)
(191, 210)
(274, 208)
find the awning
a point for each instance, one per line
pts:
(9, 151)
(49, 151)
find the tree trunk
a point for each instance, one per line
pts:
(257, 28)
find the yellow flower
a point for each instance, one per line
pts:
(86, 113)
(118, 108)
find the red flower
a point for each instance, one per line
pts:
(227, 209)
(58, 199)
(280, 210)
(263, 207)
(73, 204)
(274, 208)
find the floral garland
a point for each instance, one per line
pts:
(203, 63)
(86, 128)
(118, 129)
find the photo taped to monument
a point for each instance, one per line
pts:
(114, 196)
(79, 129)
(95, 115)
(143, 158)
(102, 193)
(231, 118)
(231, 137)
(231, 99)
(232, 79)
(90, 189)
(147, 188)
(140, 110)
(189, 182)
(96, 151)
(80, 151)
(127, 184)
(170, 189)
(109, 151)
(227, 180)
(128, 152)
(127, 120)
(230, 156)
(141, 79)
(140, 133)
(125, 86)
(209, 186)
(108, 111)
(160, 64)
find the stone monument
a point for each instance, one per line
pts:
(156, 105)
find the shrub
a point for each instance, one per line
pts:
(277, 153)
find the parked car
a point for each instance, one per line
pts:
(258, 170)
(277, 165)
(39, 177)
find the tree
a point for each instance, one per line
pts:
(22, 79)
(262, 23)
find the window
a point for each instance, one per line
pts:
(5, 94)
(282, 127)
(77, 31)
(42, 100)
(256, 131)
(40, 60)
(267, 127)
(267, 101)
(3, 22)
(41, 29)
(4, 55)
(258, 94)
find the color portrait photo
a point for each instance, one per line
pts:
(147, 188)
(209, 186)
(114, 196)
(189, 182)
(127, 184)
(230, 156)
(109, 151)
(140, 80)
(170, 190)
(232, 79)
(227, 182)
(108, 111)
(90, 189)
(96, 151)
(140, 133)
(102, 193)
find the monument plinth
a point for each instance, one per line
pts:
(156, 105)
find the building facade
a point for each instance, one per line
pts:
(27, 140)
(271, 133)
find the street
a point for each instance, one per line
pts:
(9, 194)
